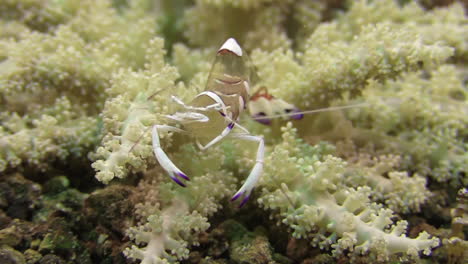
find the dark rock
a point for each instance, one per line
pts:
(8, 255)
(111, 207)
(19, 196)
(51, 259)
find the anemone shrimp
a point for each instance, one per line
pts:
(212, 115)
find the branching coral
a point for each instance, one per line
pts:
(131, 109)
(255, 26)
(245, 4)
(89, 78)
(330, 68)
(330, 210)
(192, 65)
(306, 191)
(52, 83)
(53, 66)
(443, 25)
(38, 14)
(424, 122)
(456, 243)
(264, 24)
(396, 189)
(307, 16)
(166, 230)
(54, 133)
(171, 217)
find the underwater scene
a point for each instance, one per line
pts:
(233, 131)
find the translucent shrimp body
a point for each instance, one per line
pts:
(211, 115)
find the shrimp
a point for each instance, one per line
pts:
(211, 116)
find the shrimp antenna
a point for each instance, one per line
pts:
(328, 109)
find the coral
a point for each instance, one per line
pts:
(245, 4)
(406, 193)
(82, 82)
(171, 217)
(168, 227)
(255, 26)
(423, 117)
(382, 172)
(53, 82)
(264, 24)
(166, 230)
(192, 64)
(457, 244)
(307, 15)
(36, 14)
(132, 108)
(460, 214)
(305, 190)
(443, 25)
(327, 72)
(49, 134)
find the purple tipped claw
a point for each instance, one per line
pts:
(235, 197)
(182, 175)
(178, 181)
(246, 198)
(244, 201)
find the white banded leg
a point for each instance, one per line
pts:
(215, 106)
(223, 134)
(241, 127)
(188, 117)
(256, 172)
(227, 118)
(219, 105)
(161, 156)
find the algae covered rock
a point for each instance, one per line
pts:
(19, 196)
(247, 247)
(111, 207)
(9, 255)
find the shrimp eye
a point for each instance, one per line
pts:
(261, 118)
(287, 110)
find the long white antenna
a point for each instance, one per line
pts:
(329, 109)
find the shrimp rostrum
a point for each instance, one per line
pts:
(212, 114)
